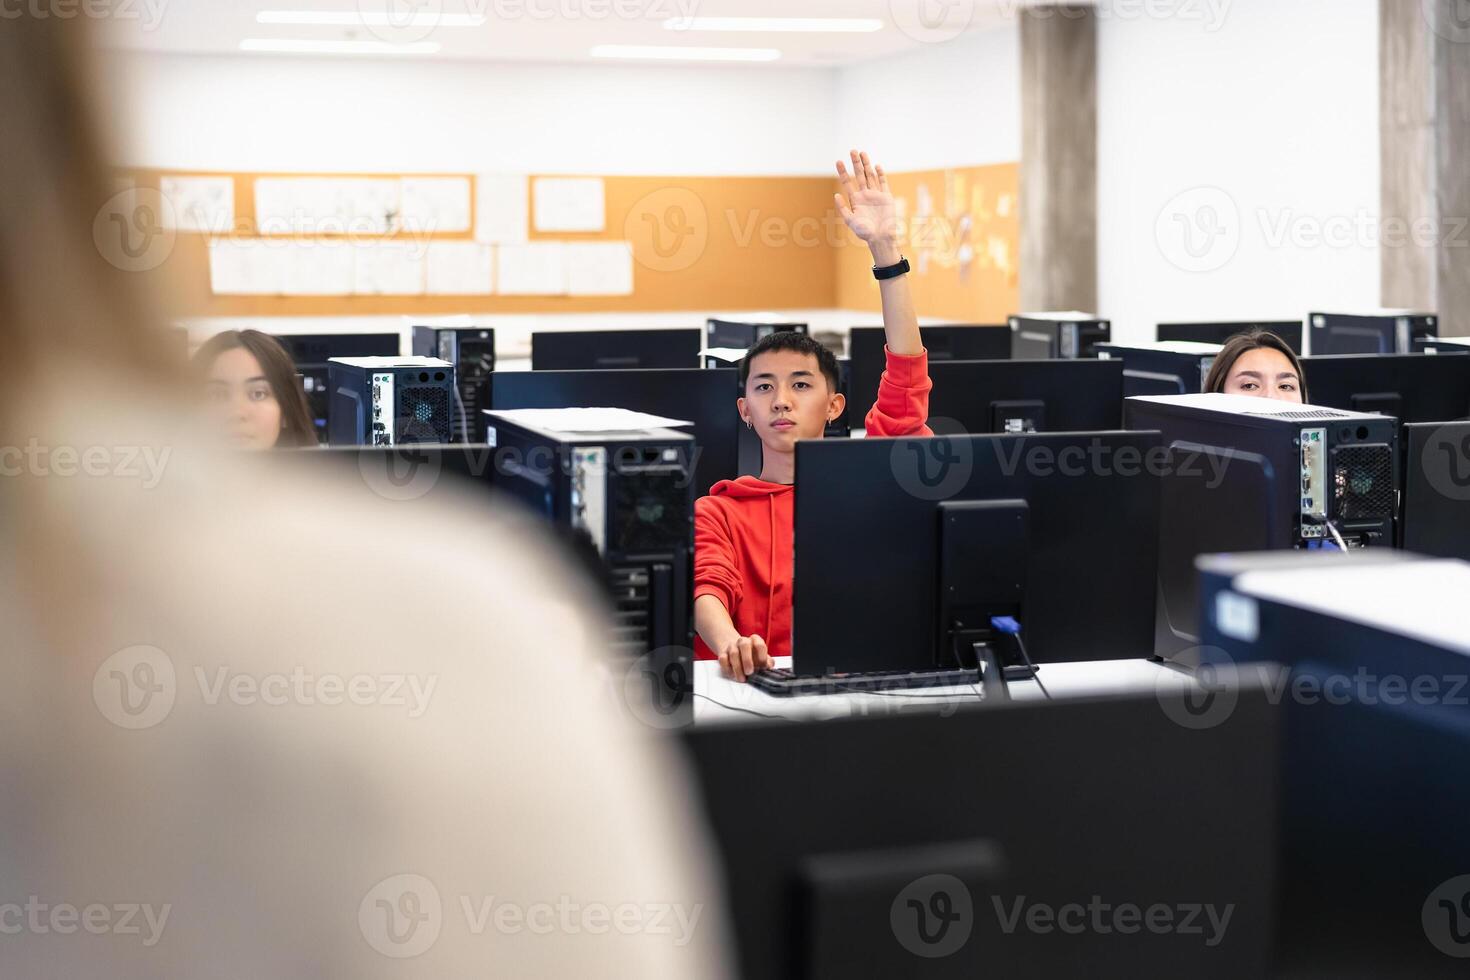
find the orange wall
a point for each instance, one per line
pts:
(962, 237)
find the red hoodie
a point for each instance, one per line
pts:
(742, 530)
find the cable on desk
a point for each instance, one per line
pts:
(743, 711)
(1009, 625)
(1035, 670)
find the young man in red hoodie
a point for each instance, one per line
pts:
(743, 529)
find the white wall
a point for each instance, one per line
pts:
(1277, 112)
(950, 105)
(325, 115)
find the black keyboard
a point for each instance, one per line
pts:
(782, 683)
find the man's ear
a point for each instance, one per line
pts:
(835, 405)
(740, 407)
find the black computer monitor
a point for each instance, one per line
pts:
(587, 350)
(951, 342)
(1217, 333)
(1028, 396)
(1436, 459)
(311, 351)
(1410, 387)
(1383, 332)
(900, 539)
(904, 844)
(743, 334)
(1163, 368)
(704, 396)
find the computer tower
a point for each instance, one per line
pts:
(630, 496)
(388, 401)
(1329, 469)
(1381, 332)
(1166, 367)
(1377, 723)
(472, 352)
(1048, 336)
(742, 335)
(310, 353)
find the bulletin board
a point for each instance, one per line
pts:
(961, 233)
(699, 243)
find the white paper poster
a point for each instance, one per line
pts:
(532, 269)
(199, 203)
(327, 205)
(460, 269)
(246, 267)
(389, 269)
(317, 268)
(599, 268)
(570, 204)
(502, 208)
(435, 205)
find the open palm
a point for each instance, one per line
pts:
(868, 208)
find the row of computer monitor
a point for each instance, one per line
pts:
(970, 394)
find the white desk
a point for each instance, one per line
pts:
(719, 699)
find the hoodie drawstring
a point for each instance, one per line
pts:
(771, 566)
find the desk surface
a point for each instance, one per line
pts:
(719, 699)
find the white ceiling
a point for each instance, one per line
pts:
(554, 30)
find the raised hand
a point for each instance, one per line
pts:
(868, 208)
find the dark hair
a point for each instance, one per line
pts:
(280, 373)
(1251, 340)
(799, 342)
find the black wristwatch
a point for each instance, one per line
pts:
(891, 271)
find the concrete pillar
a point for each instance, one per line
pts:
(1058, 158)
